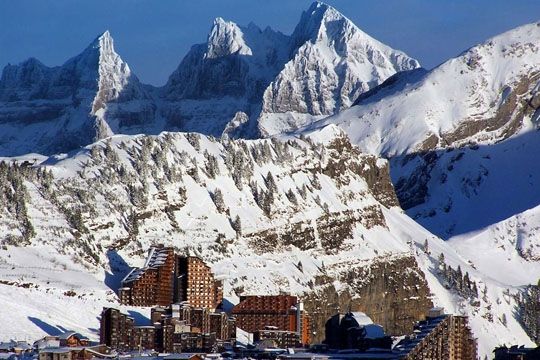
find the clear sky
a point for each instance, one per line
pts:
(154, 35)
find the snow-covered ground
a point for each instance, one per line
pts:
(178, 171)
(46, 308)
(497, 304)
(262, 213)
(43, 292)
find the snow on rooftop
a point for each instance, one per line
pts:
(361, 318)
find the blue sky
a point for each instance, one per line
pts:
(153, 36)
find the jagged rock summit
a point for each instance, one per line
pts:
(279, 82)
(233, 63)
(225, 39)
(223, 79)
(332, 62)
(53, 109)
(273, 82)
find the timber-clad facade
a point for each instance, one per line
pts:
(168, 278)
(279, 312)
(440, 336)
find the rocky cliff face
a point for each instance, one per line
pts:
(296, 184)
(269, 216)
(393, 292)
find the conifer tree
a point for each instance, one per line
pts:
(236, 224)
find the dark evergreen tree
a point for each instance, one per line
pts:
(217, 198)
(426, 246)
(236, 224)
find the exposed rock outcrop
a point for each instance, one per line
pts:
(393, 292)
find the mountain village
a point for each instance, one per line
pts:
(187, 317)
(316, 195)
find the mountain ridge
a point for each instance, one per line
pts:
(329, 47)
(491, 87)
(51, 109)
(322, 196)
(218, 82)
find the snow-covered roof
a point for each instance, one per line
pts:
(46, 343)
(60, 350)
(156, 258)
(374, 331)
(68, 334)
(181, 356)
(362, 318)
(7, 345)
(19, 345)
(8, 356)
(133, 275)
(423, 328)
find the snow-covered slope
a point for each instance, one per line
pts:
(268, 215)
(462, 150)
(462, 190)
(484, 95)
(286, 214)
(55, 109)
(492, 311)
(332, 63)
(44, 292)
(242, 206)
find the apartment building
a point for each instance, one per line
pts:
(440, 336)
(283, 339)
(153, 284)
(279, 312)
(176, 328)
(168, 278)
(219, 325)
(196, 283)
(116, 329)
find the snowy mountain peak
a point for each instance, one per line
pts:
(105, 44)
(332, 63)
(104, 41)
(236, 62)
(99, 50)
(226, 38)
(90, 96)
(319, 70)
(312, 25)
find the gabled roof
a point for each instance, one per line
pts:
(68, 334)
